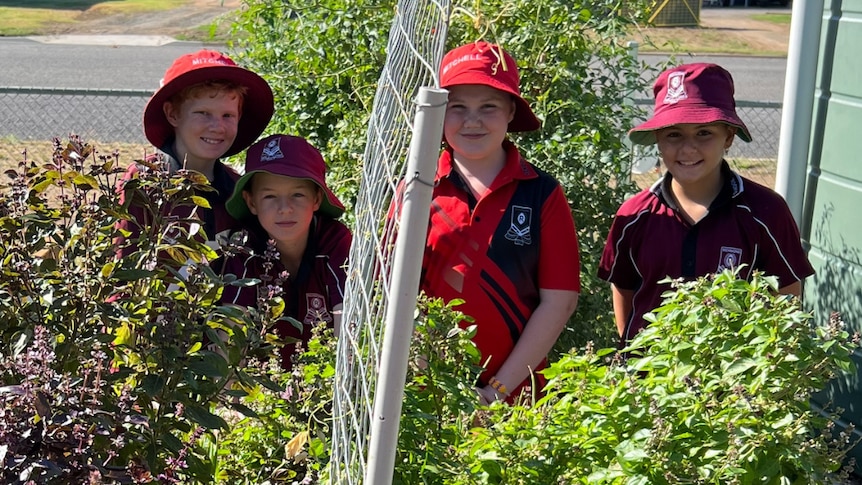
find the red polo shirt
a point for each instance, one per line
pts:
(495, 253)
(310, 295)
(649, 240)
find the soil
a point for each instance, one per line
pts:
(736, 23)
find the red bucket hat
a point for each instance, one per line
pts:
(489, 65)
(692, 93)
(206, 65)
(286, 155)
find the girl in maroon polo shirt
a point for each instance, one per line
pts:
(283, 201)
(701, 217)
(501, 235)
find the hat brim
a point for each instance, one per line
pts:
(644, 133)
(524, 119)
(257, 107)
(238, 209)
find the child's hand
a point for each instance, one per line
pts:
(488, 395)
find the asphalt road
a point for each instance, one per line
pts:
(108, 63)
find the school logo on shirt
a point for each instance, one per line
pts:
(675, 88)
(730, 258)
(271, 151)
(519, 230)
(316, 309)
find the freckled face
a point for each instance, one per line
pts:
(205, 126)
(693, 153)
(283, 205)
(476, 122)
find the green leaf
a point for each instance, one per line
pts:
(153, 384)
(740, 366)
(204, 418)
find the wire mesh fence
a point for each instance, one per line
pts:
(108, 119)
(112, 119)
(676, 13)
(415, 49)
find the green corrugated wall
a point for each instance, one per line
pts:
(832, 215)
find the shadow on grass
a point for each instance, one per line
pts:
(51, 4)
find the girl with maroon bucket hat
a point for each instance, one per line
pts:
(501, 235)
(701, 217)
(284, 203)
(206, 108)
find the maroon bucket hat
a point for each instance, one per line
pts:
(206, 65)
(698, 93)
(286, 155)
(488, 65)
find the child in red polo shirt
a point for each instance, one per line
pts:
(284, 203)
(501, 235)
(206, 108)
(701, 217)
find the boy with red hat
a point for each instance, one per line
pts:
(501, 235)
(286, 206)
(701, 217)
(206, 108)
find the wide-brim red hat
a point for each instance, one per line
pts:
(489, 65)
(206, 65)
(290, 156)
(700, 94)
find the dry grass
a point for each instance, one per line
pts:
(13, 151)
(39, 17)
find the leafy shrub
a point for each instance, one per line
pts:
(105, 369)
(323, 61)
(716, 392)
(285, 438)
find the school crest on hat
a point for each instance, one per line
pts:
(676, 88)
(271, 151)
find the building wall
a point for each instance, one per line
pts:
(832, 216)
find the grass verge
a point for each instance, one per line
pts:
(37, 17)
(774, 18)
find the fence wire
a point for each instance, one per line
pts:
(107, 119)
(415, 49)
(112, 119)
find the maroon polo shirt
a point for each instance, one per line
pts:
(649, 240)
(495, 253)
(310, 295)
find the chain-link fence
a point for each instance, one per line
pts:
(756, 160)
(108, 119)
(112, 119)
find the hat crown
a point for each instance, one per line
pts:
(700, 84)
(489, 65)
(480, 59)
(286, 155)
(699, 93)
(190, 62)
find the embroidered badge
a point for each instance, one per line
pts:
(675, 88)
(271, 151)
(316, 309)
(519, 230)
(730, 258)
